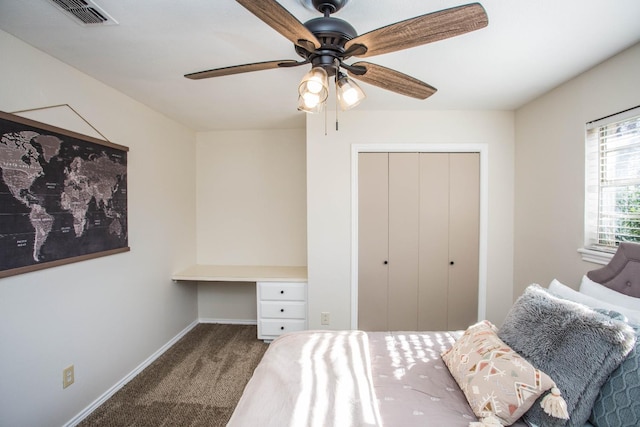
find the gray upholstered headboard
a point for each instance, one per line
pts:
(622, 274)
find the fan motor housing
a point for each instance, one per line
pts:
(331, 27)
(332, 33)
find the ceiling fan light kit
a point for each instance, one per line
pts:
(309, 105)
(327, 42)
(313, 89)
(349, 93)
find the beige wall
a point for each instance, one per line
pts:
(329, 196)
(549, 164)
(108, 315)
(251, 210)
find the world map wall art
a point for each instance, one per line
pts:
(63, 196)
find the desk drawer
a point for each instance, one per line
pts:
(274, 327)
(282, 307)
(283, 310)
(285, 291)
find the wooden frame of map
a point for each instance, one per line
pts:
(63, 196)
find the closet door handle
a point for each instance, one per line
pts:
(450, 262)
(385, 262)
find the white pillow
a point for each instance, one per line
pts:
(601, 292)
(566, 292)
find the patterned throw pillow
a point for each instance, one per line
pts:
(618, 403)
(496, 380)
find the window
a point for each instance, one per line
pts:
(612, 199)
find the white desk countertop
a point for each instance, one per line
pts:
(241, 273)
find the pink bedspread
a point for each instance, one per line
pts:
(311, 379)
(412, 383)
(353, 378)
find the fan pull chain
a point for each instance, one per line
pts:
(336, 85)
(325, 119)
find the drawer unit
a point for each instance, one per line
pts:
(282, 291)
(271, 328)
(282, 307)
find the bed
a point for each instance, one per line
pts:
(561, 358)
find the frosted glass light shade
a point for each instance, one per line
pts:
(349, 93)
(313, 90)
(310, 103)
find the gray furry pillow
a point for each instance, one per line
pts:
(576, 346)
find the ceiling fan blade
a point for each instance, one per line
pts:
(245, 68)
(419, 30)
(393, 80)
(279, 18)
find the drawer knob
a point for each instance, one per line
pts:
(282, 292)
(282, 328)
(282, 310)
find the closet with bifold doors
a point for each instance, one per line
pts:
(418, 239)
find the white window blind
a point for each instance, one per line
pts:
(612, 199)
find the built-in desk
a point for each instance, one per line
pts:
(241, 273)
(281, 293)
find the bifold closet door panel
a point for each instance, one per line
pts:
(404, 222)
(373, 240)
(434, 241)
(418, 237)
(464, 206)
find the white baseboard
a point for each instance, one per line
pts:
(106, 395)
(229, 321)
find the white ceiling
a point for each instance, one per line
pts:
(529, 47)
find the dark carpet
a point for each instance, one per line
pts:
(197, 382)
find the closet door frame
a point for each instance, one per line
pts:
(482, 150)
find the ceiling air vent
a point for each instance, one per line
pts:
(85, 11)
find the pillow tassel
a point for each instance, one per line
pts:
(554, 405)
(489, 421)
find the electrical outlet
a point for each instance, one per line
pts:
(68, 376)
(325, 318)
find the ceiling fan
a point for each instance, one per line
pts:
(327, 42)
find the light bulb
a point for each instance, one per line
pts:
(350, 96)
(314, 86)
(311, 100)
